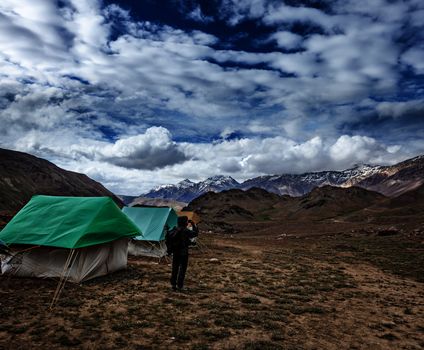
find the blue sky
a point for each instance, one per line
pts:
(137, 94)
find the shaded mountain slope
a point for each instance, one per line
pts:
(219, 210)
(396, 179)
(406, 209)
(23, 175)
(413, 199)
(225, 211)
(329, 201)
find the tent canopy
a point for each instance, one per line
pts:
(152, 221)
(191, 216)
(68, 222)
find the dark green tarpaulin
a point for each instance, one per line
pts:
(68, 222)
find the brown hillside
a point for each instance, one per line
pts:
(157, 202)
(396, 179)
(236, 210)
(413, 199)
(252, 200)
(23, 175)
(406, 210)
(328, 201)
(219, 210)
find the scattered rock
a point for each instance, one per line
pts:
(391, 231)
(389, 336)
(388, 324)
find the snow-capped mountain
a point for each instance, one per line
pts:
(300, 184)
(388, 180)
(186, 190)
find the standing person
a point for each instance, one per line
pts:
(178, 242)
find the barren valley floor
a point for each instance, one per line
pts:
(331, 290)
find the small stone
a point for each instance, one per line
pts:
(388, 324)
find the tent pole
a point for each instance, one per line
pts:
(62, 277)
(67, 276)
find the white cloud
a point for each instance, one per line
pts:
(289, 14)
(287, 40)
(197, 15)
(415, 58)
(401, 109)
(355, 148)
(237, 10)
(151, 150)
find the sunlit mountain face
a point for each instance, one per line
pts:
(137, 94)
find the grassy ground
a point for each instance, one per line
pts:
(311, 292)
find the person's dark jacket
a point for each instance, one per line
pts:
(182, 239)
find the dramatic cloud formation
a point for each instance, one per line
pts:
(137, 95)
(152, 150)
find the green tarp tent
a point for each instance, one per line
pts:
(68, 222)
(151, 221)
(77, 237)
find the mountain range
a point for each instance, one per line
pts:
(388, 180)
(186, 190)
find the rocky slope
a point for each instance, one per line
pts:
(218, 210)
(23, 175)
(328, 202)
(406, 210)
(234, 204)
(396, 179)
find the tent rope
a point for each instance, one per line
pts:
(27, 250)
(62, 279)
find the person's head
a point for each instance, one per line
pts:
(182, 221)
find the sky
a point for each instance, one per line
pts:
(137, 94)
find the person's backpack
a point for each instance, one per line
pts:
(171, 240)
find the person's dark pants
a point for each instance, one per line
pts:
(179, 268)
